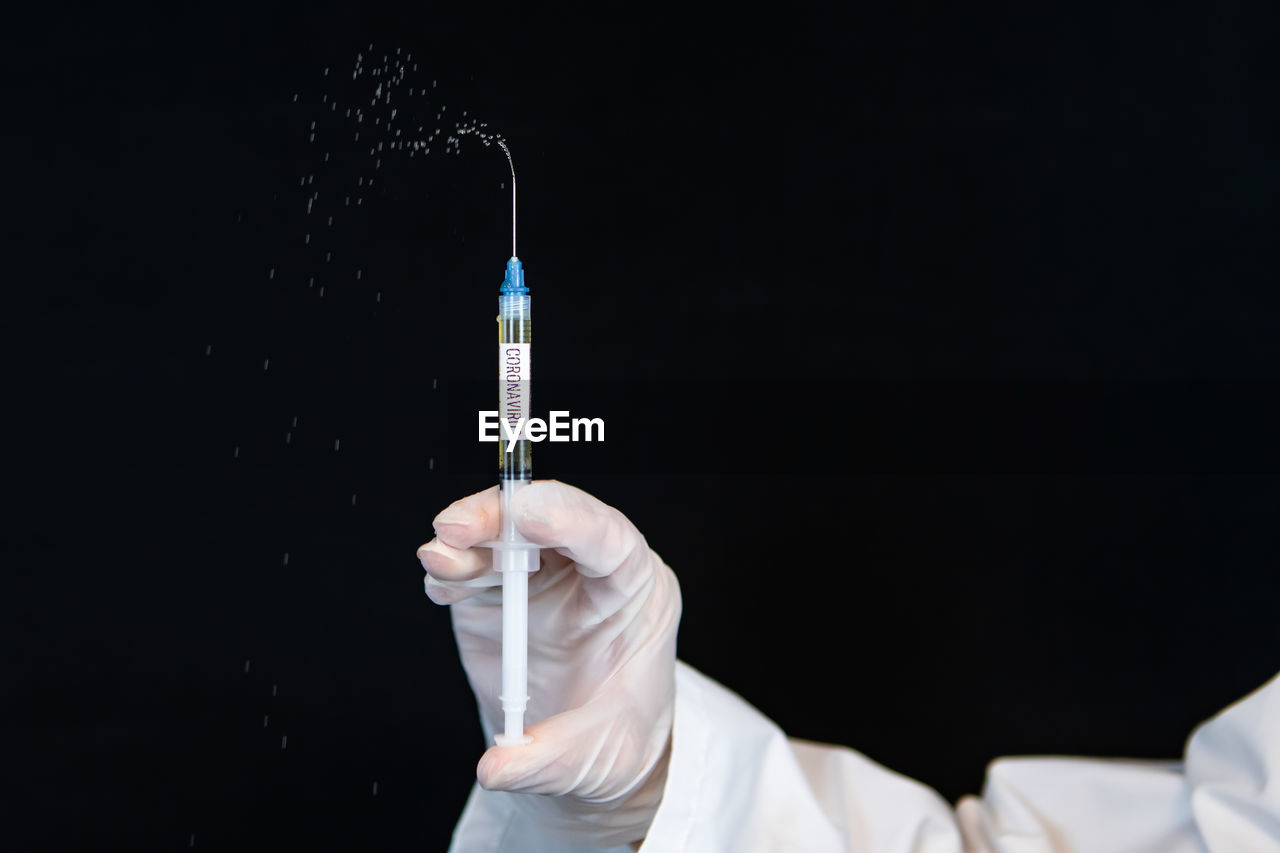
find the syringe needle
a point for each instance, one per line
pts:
(505, 150)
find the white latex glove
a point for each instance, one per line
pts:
(603, 613)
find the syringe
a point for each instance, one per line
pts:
(513, 555)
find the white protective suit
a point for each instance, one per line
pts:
(737, 783)
(607, 607)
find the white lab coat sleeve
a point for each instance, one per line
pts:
(737, 783)
(1224, 797)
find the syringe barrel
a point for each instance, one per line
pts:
(515, 397)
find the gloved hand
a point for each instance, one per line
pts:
(603, 613)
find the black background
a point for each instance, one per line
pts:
(935, 348)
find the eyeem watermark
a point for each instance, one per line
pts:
(559, 427)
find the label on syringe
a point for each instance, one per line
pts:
(513, 362)
(514, 373)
